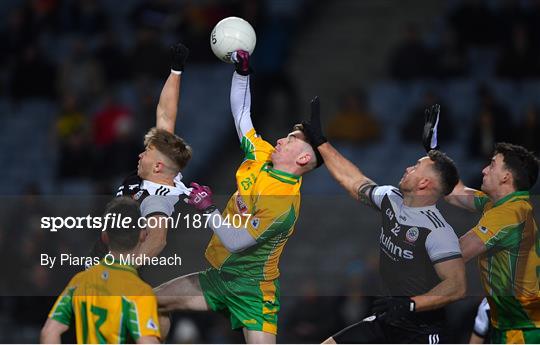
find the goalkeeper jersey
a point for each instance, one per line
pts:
(267, 201)
(511, 265)
(110, 304)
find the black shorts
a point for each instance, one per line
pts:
(373, 331)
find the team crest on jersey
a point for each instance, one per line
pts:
(138, 195)
(483, 229)
(151, 325)
(241, 205)
(255, 222)
(412, 234)
(105, 275)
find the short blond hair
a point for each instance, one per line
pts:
(170, 145)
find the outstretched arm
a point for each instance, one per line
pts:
(241, 104)
(462, 196)
(347, 174)
(343, 171)
(241, 94)
(235, 239)
(471, 245)
(52, 331)
(167, 107)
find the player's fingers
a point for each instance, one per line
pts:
(315, 108)
(207, 189)
(436, 110)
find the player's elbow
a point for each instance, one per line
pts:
(51, 332)
(44, 335)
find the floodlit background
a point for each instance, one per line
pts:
(80, 80)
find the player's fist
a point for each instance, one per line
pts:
(431, 121)
(393, 308)
(201, 197)
(241, 62)
(313, 129)
(179, 55)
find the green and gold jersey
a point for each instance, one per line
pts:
(268, 202)
(110, 304)
(511, 265)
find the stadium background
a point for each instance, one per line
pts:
(79, 85)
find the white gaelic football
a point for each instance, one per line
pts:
(232, 34)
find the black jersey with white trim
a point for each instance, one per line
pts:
(411, 241)
(154, 198)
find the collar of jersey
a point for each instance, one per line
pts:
(116, 265)
(280, 175)
(522, 195)
(178, 188)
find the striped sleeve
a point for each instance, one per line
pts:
(480, 201)
(378, 193)
(255, 148)
(500, 227)
(158, 205)
(62, 311)
(442, 244)
(140, 315)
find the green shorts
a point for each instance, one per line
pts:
(248, 303)
(515, 336)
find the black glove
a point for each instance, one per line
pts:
(429, 136)
(393, 308)
(179, 55)
(313, 128)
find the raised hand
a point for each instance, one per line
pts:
(431, 121)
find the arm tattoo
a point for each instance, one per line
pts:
(364, 192)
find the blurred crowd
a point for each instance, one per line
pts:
(79, 53)
(483, 43)
(505, 35)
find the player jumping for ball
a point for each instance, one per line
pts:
(420, 261)
(157, 182)
(243, 280)
(506, 242)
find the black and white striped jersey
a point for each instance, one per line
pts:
(154, 198)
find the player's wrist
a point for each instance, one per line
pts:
(412, 305)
